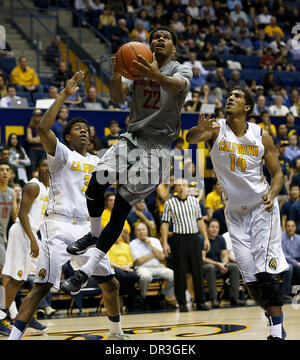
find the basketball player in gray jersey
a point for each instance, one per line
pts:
(157, 99)
(8, 208)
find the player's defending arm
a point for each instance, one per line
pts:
(14, 213)
(117, 88)
(47, 137)
(172, 84)
(30, 192)
(274, 169)
(206, 130)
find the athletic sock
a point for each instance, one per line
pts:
(115, 325)
(3, 313)
(17, 330)
(95, 257)
(276, 325)
(96, 226)
(13, 311)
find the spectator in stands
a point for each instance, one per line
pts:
(244, 43)
(269, 84)
(60, 123)
(260, 106)
(276, 43)
(273, 28)
(144, 17)
(266, 124)
(213, 200)
(182, 50)
(291, 249)
(193, 62)
(290, 123)
(296, 174)
(264, 17)
(121, 260)
(139, 33)
(295, 109)
(95, 143)
(35, 149)
(198, 79)
(216, 263)
(82, 7)
(282, 134)
(236, 80)
(207, 98)
(231, 4)
(293, 96)
(261, 43)
(11, 94)
(194, 104)
(283, 92)
(221, 48)
(159, 18)
(140, 215)
(193, 10)
(282, 62)
(113, 137)
(179, 154)
(52, 92)
(147, 254)
(18, 156)
(52, 55)
(177, 25)
(267, 60)
(286, 206)
(220, 114)
(5, 153)
(278, 108)
(24, 77)
(119, 35)
(94, 12)
(237, 13)
(91, 101)
(62, 75)
(219, 214)
(293, 150)
(107, 22)
(209, 57)
(218, 83)
(73, 101)
(3, 86)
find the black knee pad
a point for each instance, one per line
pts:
(270, 289)
(95, 197)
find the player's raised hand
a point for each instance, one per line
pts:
(72, 85)
(207, 124)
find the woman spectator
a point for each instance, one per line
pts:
(18, 156)
(144, 18)
(95, 143)
(139, 33)
(270, 87)
(3, 84)
(295, 109)
(35, 148)
(207, 98)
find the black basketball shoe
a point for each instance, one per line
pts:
(81, 245)
(74, 284)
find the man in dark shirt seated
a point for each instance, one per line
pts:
(140, 215)
(216, 263)
(113, 137)
(91, 101)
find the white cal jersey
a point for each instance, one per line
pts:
(70, 173)
(238, 162)
(36, 214)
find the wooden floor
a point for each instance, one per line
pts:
(235, 323)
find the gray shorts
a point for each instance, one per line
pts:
(137, 165)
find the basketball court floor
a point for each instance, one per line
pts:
(232, 323)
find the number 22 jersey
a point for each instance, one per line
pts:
(237, 162)
(70, 173)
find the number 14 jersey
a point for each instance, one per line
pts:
(238, 162)
(70, 173)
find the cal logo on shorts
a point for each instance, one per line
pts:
(42, 274)
(20, 273)
(273, 264)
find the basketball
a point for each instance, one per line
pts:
(129, 52)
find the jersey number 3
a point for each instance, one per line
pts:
(87, 179)
(241, 162)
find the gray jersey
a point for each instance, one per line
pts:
(6, 205)
(155, 113)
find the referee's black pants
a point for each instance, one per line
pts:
(186, 253)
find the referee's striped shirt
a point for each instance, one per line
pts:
(183, 214)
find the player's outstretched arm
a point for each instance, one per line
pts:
(47, 137)
(274, 169)
(207, 129)
(118, 89)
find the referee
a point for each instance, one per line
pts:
(183, 211)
